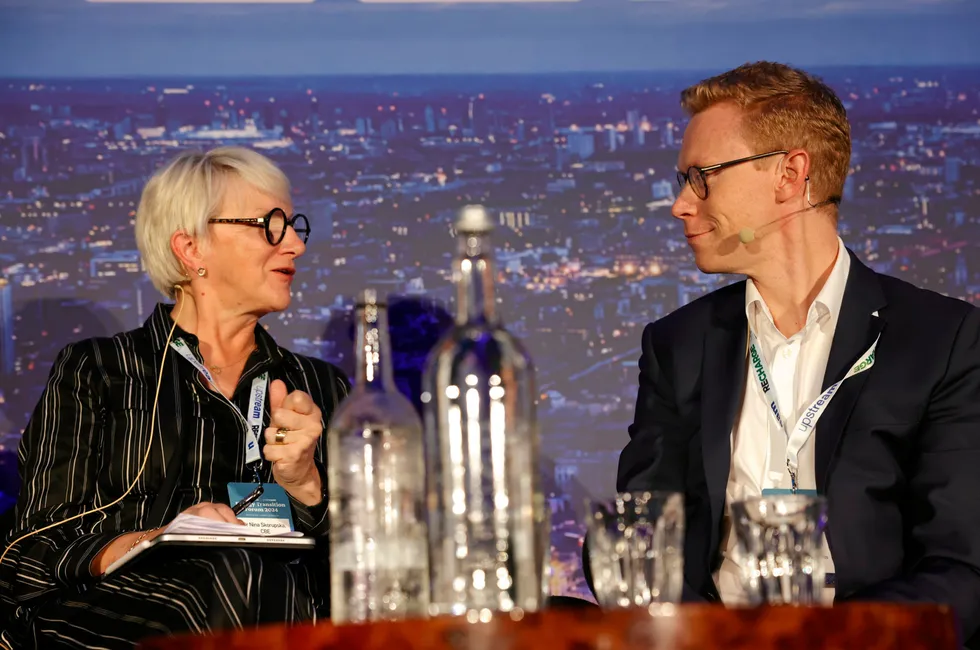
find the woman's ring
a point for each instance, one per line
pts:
(281, 435)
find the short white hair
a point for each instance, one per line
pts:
(185, 194)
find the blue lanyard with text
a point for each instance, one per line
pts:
(254, 423)
(806, 423)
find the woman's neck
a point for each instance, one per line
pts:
(224, 336)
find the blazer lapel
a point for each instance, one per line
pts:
(723, 382)
(857, 329)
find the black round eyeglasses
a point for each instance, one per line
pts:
(275, 224)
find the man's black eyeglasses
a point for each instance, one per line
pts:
(697, 178)
(275, 223)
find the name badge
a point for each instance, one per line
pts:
(270, 514)
(780, 492)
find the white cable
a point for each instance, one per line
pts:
(146, 455)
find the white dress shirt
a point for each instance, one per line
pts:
(797, 365)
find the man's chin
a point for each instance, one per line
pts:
(707, 264)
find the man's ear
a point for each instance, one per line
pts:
(791, 177)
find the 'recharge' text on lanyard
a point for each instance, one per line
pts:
(807, 422)
(259, 387)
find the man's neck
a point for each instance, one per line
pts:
(790, 282)
(224, 336)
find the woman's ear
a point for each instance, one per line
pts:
(188, 252)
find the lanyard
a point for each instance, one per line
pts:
(798, 437)
(254, 424)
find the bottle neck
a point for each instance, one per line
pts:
(373, 348)
(476, 300)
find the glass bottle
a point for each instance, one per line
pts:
(378, 556)
(488, 526)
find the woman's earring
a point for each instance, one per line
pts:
(201, 272)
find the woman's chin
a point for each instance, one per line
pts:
(278, 305)
(273, 301)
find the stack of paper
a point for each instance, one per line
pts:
(193, 525)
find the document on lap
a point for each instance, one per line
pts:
(186, 524)
(189, 531)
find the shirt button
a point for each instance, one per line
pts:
(787, 353)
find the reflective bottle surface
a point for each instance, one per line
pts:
(488, 526)
(378, 555)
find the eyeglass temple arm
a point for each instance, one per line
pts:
(256, 221)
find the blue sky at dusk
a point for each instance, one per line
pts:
(75, 38)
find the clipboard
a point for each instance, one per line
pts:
(170, 546)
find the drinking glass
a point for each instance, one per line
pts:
(780, 548)
(636, 548)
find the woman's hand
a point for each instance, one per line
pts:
(215, 511)
(125, 543)
(291, 441)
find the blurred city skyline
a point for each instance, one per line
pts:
(562, 117)
(576, 169)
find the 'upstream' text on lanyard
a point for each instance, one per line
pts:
(259, 387)
(798, 437)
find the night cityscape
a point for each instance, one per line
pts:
(577, 170)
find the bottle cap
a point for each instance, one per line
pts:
(368, 297)
(474, 219)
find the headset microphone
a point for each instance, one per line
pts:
(747, 235)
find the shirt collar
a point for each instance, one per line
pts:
(159, 324)
(825, 307)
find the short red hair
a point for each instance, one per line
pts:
(784, 108)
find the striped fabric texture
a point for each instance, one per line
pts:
(83, 447)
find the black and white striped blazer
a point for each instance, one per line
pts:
(88, 435)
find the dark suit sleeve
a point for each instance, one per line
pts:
(59, 462)
(945, 492)
(656, 456)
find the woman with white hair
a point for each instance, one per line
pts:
(135, 429)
